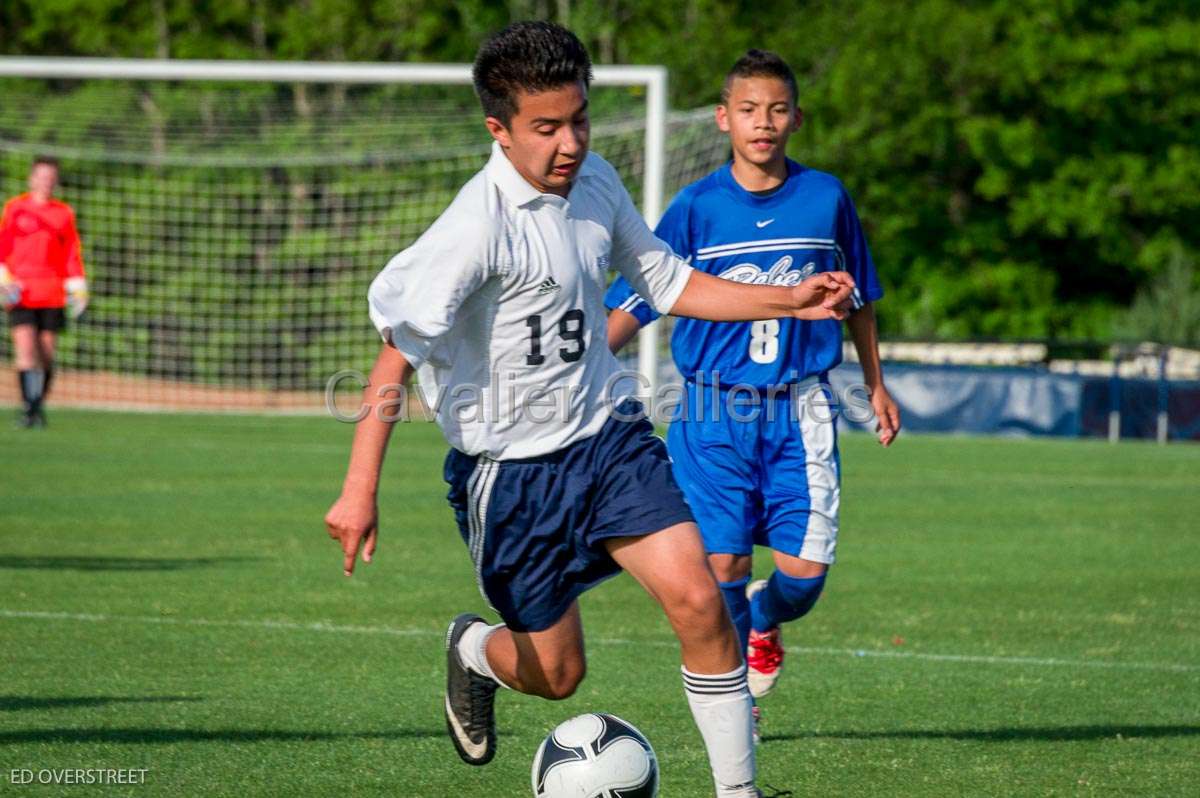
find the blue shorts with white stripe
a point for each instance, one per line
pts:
(535, 527)
(769, 475)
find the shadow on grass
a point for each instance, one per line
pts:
(169, 736)
(1003, 735)
(67, 563)
(18, 703)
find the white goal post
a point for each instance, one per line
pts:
(652, 80)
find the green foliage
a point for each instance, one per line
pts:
(1018, 165)
(1167, 310)
(1022, 168)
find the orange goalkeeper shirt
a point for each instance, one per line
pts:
(40, 246)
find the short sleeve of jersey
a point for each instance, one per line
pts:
(6, 231)
(649, 265)
(858, 262)
(621, 296)
(414, 300)
(672, 229)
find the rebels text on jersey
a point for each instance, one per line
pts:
(808, 225)
(499, 306)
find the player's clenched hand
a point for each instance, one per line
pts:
(887, 413)
(77, 296)
(10, 289)
(353, 520)
(824, 296)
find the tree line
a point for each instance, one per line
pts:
(1025, 169)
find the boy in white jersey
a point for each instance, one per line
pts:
(499, 308)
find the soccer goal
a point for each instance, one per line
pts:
(234, 213)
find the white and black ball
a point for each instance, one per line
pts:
(595, 756)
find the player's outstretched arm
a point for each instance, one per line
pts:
(353, 520)
(822, 296)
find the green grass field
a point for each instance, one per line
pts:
(1007, 617)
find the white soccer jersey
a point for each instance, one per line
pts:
(500, 307)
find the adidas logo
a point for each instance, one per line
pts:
(548, 285)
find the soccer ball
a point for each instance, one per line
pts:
(595, 756)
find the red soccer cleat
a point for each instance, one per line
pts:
(764, 654)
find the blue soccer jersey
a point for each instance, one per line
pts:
(808, 225)
(772, 480)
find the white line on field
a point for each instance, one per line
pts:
(989, 660)
(323, 448)
(321, 626)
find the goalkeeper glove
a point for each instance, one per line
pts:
(77, 296)
(10, 289)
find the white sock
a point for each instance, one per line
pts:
(472, 649)
(721, 705)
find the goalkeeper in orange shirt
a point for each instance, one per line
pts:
(41, 273)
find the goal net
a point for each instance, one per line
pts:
(230, 229)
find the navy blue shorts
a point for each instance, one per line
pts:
(536, 527)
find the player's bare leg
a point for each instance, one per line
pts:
(25, 355)
(728, 567)
(788, 595)
(47, 346)
(550, 663)
(672, 567)
(29, 372)
(481, 658)
(799, 567)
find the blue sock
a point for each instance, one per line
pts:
(784, 599)
(32, 384)
(739, 607)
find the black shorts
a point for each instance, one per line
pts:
(52, 319)
(536, 527)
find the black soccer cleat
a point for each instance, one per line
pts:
(470, 701)
(31, 419)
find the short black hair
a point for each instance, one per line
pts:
(47, 160)
(761, 64)
(529, 57)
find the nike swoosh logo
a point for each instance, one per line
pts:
(474, 749)
(763, 224)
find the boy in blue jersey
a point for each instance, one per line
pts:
(762, 467)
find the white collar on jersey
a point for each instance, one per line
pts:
(501, 172)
